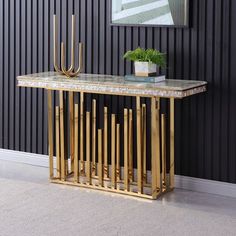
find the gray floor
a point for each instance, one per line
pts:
(29, 205)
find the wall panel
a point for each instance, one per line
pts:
(205, 125)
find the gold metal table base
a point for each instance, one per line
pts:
(108, 187)
(85, 161)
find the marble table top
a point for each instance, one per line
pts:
(114, 85)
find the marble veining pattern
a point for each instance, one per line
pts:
(112, 85)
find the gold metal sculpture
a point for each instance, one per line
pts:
(70, 72)
(118, 170)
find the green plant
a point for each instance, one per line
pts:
(149, 55)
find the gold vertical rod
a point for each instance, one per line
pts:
(100, 172)
(76, 144)
(153, 147)
(63, 173)
(131, 174)
(58, 142)
(172, 143)
(88, 167)
(163, 148)
(50, 134)
(158, 166)
(72, 141)
(105, 143)
(117, 152)
(113, 151)
(126, 160)
(55, 42)
(72, 44)
(144, 141)
(94, 138)
(82, 132)
(139, 147)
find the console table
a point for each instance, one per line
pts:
(89, 163)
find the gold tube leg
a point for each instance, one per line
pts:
(163, 148)
(126, 160)
(63, 166)
(113, 151)
(94, 138)
(153, 146)
(117, 152)
(131, 174)
(71, 105)
(82, 134)
(155, 139)
(105, 143)
(100, 172)
(58, 142)
(50, 134)
(172, 143)
(139, 147)
(88, 167)
(76, 144)
(159, 176)
(144, 141)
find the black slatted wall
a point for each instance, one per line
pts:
(205, 124)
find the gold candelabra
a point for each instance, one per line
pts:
(70, 72)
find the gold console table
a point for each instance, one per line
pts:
(89, 164)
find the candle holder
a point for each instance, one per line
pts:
(70, 72)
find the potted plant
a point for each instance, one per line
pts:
(146, 61)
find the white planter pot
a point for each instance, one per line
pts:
(145, 69)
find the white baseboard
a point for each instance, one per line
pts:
(24, 158)
(205, 186)
(181, 182)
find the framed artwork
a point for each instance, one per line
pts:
(173, 13)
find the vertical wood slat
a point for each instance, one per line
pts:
(23, 60)
(102, 36)
(40, 60)
(28, 101)
(225, 83)
(11, 88)
(17, 102)
(6, 84)
(218, 70)
(217, 95)
(1, 68)
(232, 103)
(34, 67)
